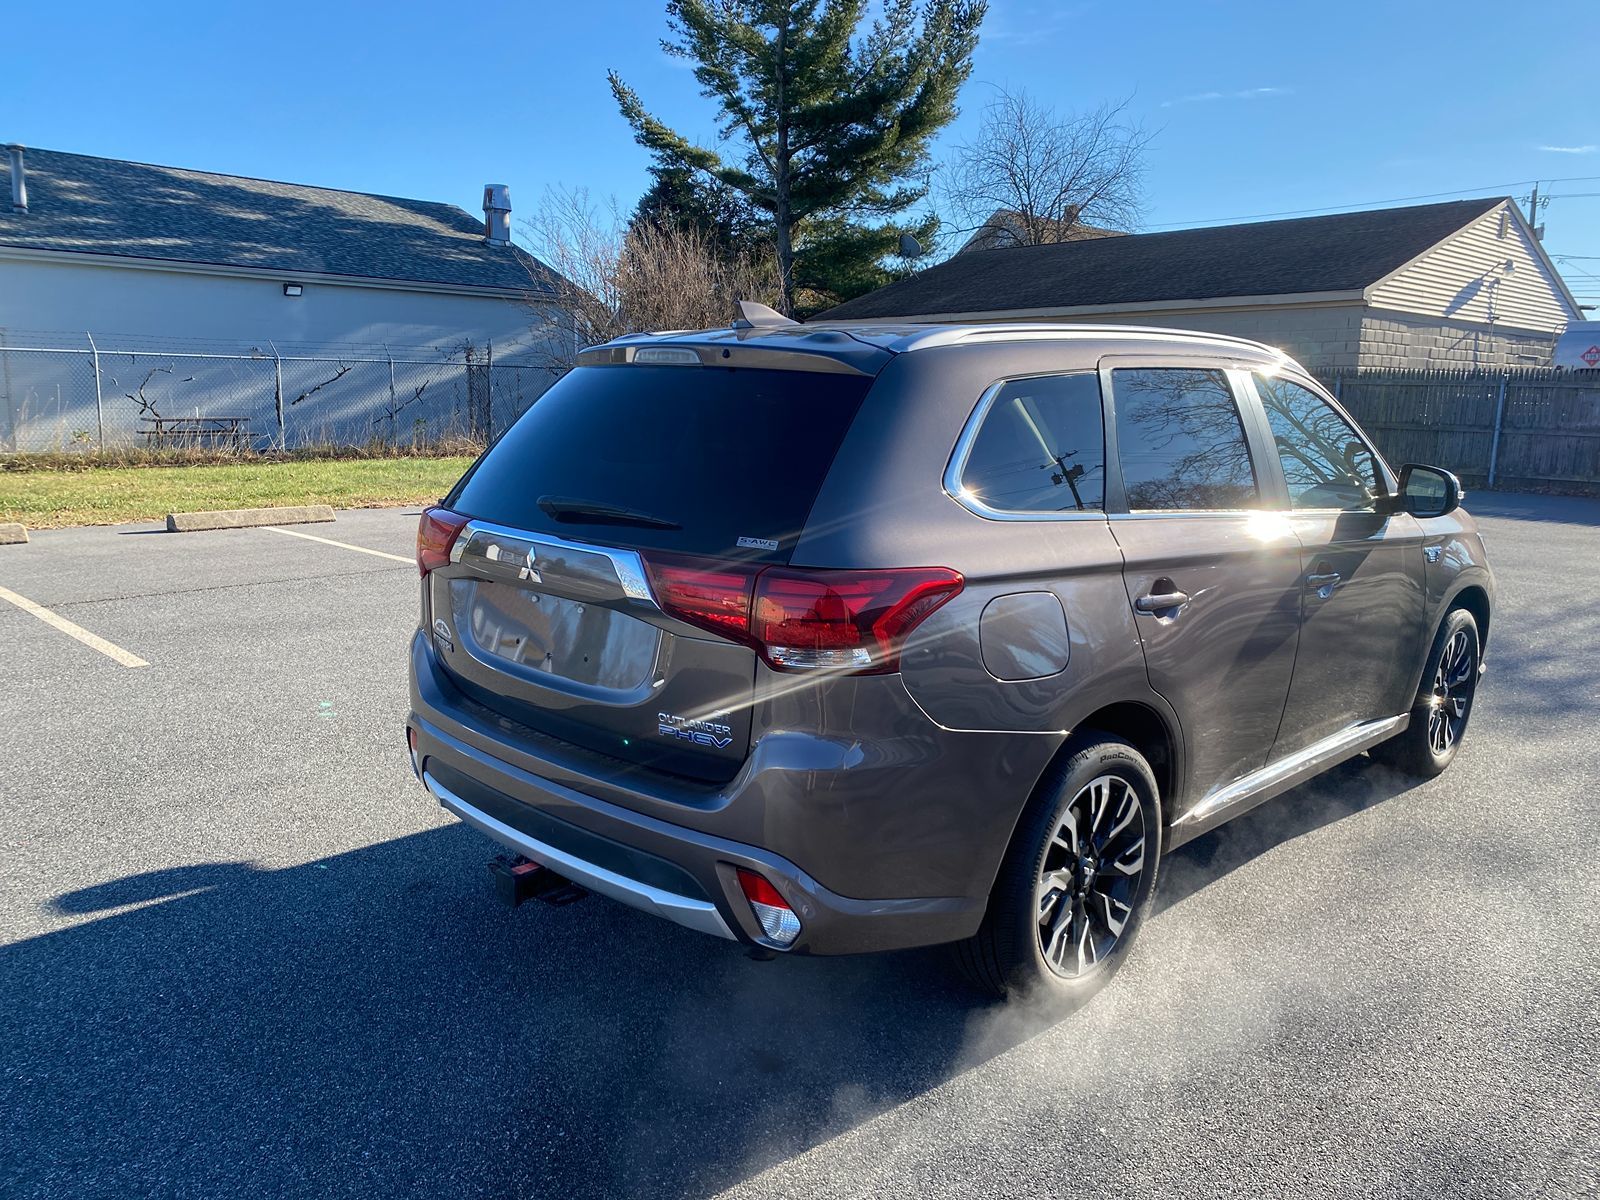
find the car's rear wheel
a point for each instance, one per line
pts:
(1077, 881)
(1439, 718)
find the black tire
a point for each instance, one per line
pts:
(1443, 705)
(1098, 781)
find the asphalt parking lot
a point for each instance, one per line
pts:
(241, 950)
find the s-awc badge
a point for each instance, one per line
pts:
(757, 543)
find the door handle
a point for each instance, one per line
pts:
(1158, 602)
(1324, 581)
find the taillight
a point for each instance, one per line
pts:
(714, 596)
(436, 534)
(799, 619)
(850, 620)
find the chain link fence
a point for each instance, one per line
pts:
(60, 399)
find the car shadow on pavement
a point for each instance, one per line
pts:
(373, 1021)
(1351, 787)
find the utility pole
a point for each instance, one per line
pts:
(1533, 214)
(1069, 476)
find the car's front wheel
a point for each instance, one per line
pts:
(1077, 881)
(1443, 705)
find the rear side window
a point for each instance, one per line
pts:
(1041, 448)
(733, 458)
(1179, 440)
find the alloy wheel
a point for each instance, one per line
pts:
(1452, 693)
(1089, 882)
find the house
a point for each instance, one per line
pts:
(1007, 227)
(173, 258)
(1464, 283)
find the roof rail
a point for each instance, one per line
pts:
(954, 334)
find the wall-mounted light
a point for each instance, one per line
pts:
(292, 289)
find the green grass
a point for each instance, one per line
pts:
(48, 499)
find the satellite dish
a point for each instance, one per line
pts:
(910, 247)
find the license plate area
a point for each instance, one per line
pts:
(551, 639)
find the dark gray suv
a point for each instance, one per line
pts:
(828, 639)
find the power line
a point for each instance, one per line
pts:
(1301, 212)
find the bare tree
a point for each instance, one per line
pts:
(1030, 177)
(616, 280)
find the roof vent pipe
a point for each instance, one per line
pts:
(19, 180)
(497, 214)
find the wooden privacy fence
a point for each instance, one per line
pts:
(1534, 428)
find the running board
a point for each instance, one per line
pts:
(1275, 778)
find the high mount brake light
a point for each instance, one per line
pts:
(436, 534)
(803, 619)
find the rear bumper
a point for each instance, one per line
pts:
(540, 808)
(688, 911)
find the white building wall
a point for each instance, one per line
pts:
(189, 343)
(136, 302)
(1488, 273)
(1396, 339)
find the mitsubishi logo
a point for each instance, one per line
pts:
(527, 562)
(529, 569)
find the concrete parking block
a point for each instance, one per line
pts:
(12, 534)
(244, 518)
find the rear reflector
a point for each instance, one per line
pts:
(805, 619)
(436, 534)
(772, 911)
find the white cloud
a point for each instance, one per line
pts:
(1255, 93)
(1589, 149)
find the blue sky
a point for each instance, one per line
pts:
(1259, 107)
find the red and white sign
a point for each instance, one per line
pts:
(1578, 348)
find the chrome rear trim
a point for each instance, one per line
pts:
(700, 915)
(626, 563)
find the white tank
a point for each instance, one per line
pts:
(1579, 347)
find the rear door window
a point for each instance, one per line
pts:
(1040, 448)
(699, 460)
(1180, 441)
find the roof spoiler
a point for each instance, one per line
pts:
(750, 315)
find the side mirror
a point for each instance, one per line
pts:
(1426, 492)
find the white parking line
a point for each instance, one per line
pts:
(93, 641)
(311, 537)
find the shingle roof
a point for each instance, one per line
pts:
(1004, 228)
(1337, 253)
(90, 205)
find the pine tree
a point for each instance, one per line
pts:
(681, 198)
(833, 119)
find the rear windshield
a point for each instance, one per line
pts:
(734, 457)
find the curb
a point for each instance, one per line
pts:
(243, 518)
(12, 534)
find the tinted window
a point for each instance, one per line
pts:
(724, 453)
(1325, 462)
(1041, 447)
(1180, 441)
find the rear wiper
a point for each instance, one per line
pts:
(592, 512)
